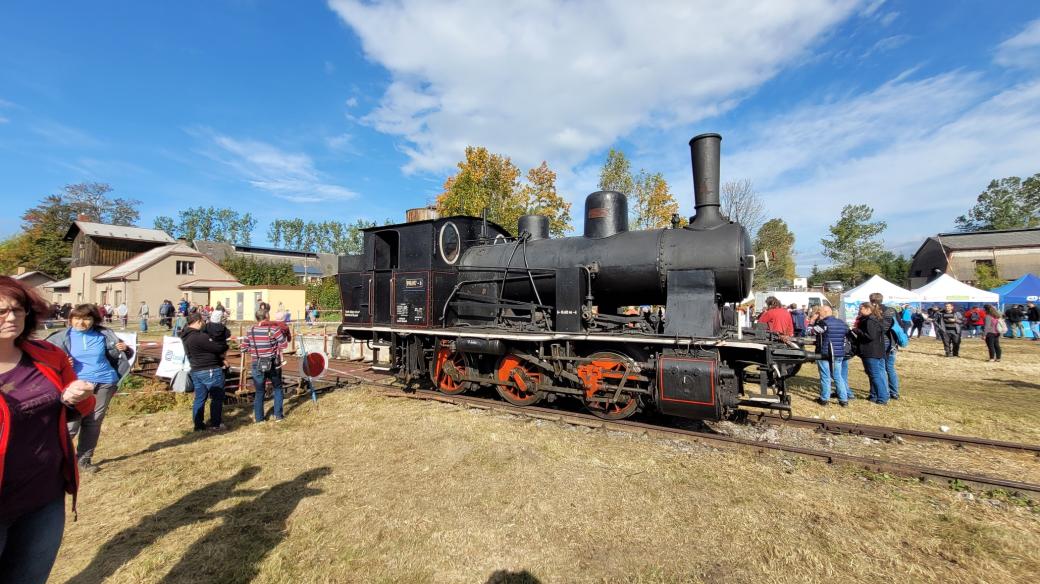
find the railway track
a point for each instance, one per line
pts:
(1030, 490)
(346, 372)
(889, 433)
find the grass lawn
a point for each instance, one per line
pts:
(370, 489)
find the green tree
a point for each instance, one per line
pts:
(986, 277)
(654, 203)
(209, 224)
(1008, 203)
(892, 267)
(616, 174)
(253, 272)
(40, 246)
(324, 294)
(491, 181)
(854, 244)
(776, 240)
(319, 237)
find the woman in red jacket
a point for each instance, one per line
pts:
(38, 389)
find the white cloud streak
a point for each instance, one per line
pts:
(286, 175)
(1021, 50)
(543, 80)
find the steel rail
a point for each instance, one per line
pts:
(888, 433)
(922, 472)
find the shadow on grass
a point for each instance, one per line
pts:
(1016, 383)
(233, 418)
(231, 552)
(507, 577)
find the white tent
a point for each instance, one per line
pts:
(891, 292)
(947, 289)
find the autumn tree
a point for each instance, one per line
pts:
(491, 181)
(854, 244)
(654, 203)
(616, 174)
(774, 239)
(741, 203)
(209, 224)
(1008, 203)
(40, 245)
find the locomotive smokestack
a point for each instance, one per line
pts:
(704, 150)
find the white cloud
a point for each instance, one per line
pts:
(1021, 50)
(342, 143)
(62, 135)
(352, 102)
(547, 80)
(917, 151)
(889, 43)
(286, 175)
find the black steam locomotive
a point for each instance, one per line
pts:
(460, 302)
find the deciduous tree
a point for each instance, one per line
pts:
(775, 239)
(253, 272)
(654, 203)
(1008, 203)
(319, 236)
(491, 181)
(741, 203)
(855, 244)
(616, 174)
(209, 224)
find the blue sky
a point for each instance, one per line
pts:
(347, 109)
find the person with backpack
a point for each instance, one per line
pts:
(265, 342)
(894, 335)
(100, 357)
(833, 363)
(994, 327)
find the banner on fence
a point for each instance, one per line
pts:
(172, 358)
(131, 340)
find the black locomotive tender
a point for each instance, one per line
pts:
(462, 303)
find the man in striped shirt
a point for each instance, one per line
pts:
(264, 343)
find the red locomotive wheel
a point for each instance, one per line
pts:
(444, 360)
(608, 367)
(524, 391)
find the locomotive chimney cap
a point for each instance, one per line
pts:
(706, 135)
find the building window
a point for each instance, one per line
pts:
(185, 268)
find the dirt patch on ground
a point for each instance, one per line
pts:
(368, 489)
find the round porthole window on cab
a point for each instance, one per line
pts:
(450, 243)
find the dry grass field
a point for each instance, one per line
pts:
(369, 489)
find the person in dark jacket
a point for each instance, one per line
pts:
(888, 321)
(797, 320)
(1014, 315)
(917, 320)
(100, 357)
(870, 338)
(206, 357)
(952, 323)
(1033, 315)
(833, 363)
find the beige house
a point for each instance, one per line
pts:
(170, 272)
(1010, 253)
(243, 302)
(96, 248)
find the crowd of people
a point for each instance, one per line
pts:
(878, 331)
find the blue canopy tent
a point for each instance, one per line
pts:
(1020, 291)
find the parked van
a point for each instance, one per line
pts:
(788, 297)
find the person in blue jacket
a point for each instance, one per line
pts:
(98, 356)
(834, 363)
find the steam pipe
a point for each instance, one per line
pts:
(705, 152)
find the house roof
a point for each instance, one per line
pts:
(989, 239)
(118, 232)
(142, 261)
(67, 282)
(217, 251)
(204, 283)
(29, 274)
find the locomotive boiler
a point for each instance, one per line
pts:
(461, 303)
